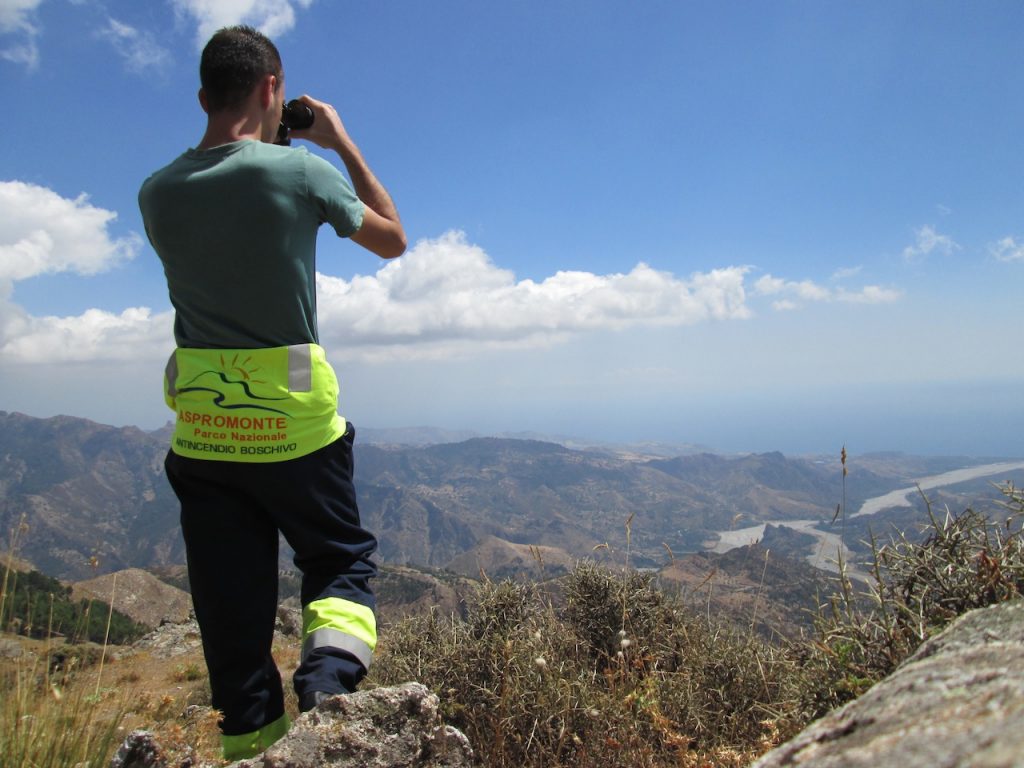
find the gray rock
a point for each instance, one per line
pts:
(382, 728)
(289, 619)
(139, 750)
(957, 702)
(10, 649)
(171, 639)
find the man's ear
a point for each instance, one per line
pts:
(268, 87)
(202, 101)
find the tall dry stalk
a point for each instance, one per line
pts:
(12, 546)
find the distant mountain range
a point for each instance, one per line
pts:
(83, 501)
(418, 437)
(94, 499)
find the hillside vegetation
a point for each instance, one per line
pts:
(603, 666)
(39, 606)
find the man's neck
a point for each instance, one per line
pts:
(228, 128)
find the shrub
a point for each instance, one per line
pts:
(964, 562)
(617, 675)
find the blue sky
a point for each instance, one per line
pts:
(752, 226)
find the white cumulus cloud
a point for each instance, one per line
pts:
(272, 17)
(96, 335)
(927, 242)
(42, 232)
(1007, 249)
(446, 296)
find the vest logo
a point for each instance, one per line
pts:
(234, 390)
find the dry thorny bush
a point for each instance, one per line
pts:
(618, 675)
(964, 562)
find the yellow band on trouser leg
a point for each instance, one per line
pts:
(339, 623)
(251, 744)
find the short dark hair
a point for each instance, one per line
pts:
(233, 62)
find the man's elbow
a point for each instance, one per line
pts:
(388, 243)
(395, 248)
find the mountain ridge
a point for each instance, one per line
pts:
(95, 500)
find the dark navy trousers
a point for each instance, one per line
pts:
(231, 513)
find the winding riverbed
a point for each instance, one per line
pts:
(827, 549)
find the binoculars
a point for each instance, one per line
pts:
(294, 116)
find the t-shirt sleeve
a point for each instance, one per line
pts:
(333, 196)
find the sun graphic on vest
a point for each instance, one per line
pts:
(232, 380)
(243, 368)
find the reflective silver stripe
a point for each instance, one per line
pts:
(328, 637)
(300, 368)
(171, 374)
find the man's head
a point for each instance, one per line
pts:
(234, 62)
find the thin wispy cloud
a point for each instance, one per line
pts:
(845, 273)
(927, 243)
(139, 49)
(19, 31)
(795, 293)
(1007, 249)
(869, 294)
(272, 17)
(802, 289)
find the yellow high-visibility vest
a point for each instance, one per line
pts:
(253, 405)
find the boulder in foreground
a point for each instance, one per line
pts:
(957, 702)
(395, 727)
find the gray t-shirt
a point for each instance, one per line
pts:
(235, 227)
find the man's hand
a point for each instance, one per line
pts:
(381, 230)
(327, 130)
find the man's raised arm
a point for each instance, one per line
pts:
(381, 231)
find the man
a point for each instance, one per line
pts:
(259, 446)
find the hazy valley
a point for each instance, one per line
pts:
(87, 499)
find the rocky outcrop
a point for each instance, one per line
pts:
(958, 701)
(139, 595)
(396, 727)
(170, 640)
(384, 728)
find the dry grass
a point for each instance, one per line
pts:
(596, 668)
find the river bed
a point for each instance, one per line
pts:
(827, 549)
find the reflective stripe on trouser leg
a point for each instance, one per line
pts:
(333, 622)
(246, 745)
